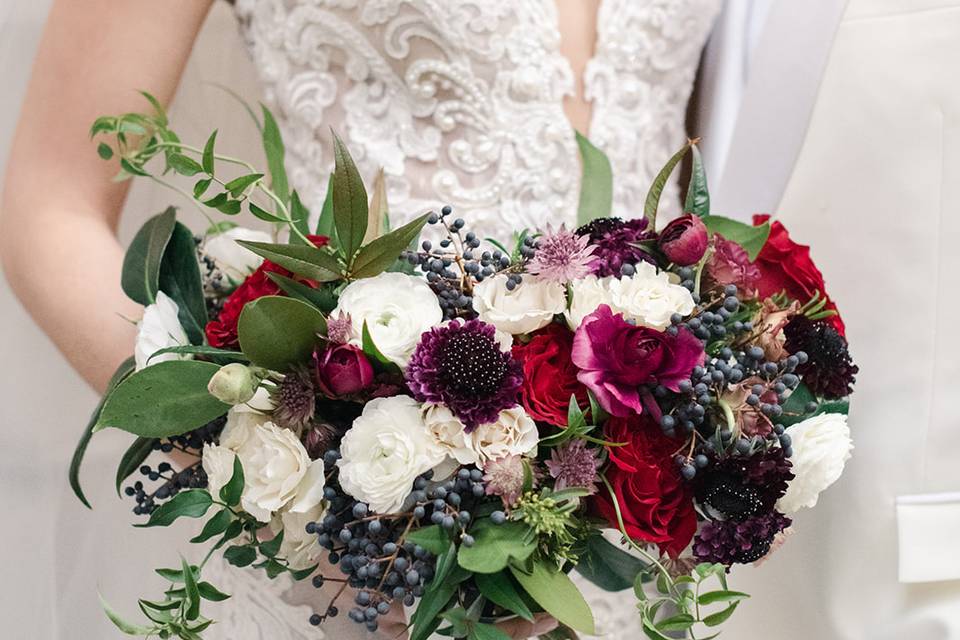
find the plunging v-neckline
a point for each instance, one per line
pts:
(579, 89)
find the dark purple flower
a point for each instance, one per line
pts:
(342, 369)
(574, 465)
(729, 542)
(617, 243)
(296, 400)
(461, 365)
(616, 357)
(730, 264)
(738, 487)
(684, 241)
(828, 371)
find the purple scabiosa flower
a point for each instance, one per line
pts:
(574, 465)
(828, 369)
(296, 401)
(562, 256)
(504, 478)
(729, 542)
(461, 365)
(739, 487)
(617, 243)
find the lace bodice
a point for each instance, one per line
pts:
(461, 101)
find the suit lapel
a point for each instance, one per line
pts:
(785, 72)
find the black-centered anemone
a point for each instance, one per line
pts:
(462, 366)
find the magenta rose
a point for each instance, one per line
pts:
(616, 357)
(343, 369)
(684, 240)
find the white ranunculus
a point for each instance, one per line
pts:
(239, 427)
(449, 433)
(217, 462)
(649, 298)
(299, 548)
(384, 451)
(160, 328)
(397, 308)
(235, 261)
(527, 308)
(513, 433)
(276, 470)
(821, 446)
(586, 294)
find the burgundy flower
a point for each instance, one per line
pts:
(460, 364)
(616, 357)
(739, 487)
(617, 243)
(728, 541)
(828, 371)
(730, 264)
(684, 241)
(549, 376)
(342, 369)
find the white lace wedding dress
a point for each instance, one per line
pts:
(461, 103)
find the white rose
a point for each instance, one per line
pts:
(649, 298)
(299, 548)
(217, 462)
(586, 294)
(397, 308)
(160, 328)
(821, 446)
(239, 427)
(513, 433)
(235, 261)
(449, 433)
(527, 308)
(384, 451)
(276, 471)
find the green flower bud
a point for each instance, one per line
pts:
(234, 384)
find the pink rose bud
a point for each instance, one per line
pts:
(684, 241)
(343, 369)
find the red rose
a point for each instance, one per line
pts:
(222, 332)
(786, 266)
(655, 502)
(549, 377)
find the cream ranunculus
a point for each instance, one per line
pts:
(821, 448)
(235, 261)
(217, 462)
(514, 433)
(649, 298)
(586, 294)
(527, 308)
(160, 328)
(397, 309)
(384, 451)
(449, 433)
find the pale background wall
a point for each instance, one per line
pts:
(55, 554)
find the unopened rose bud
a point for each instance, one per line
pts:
(684, 241)
(234, 383)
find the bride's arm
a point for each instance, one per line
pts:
(60, 209)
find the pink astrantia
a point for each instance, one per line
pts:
(562, 256)
(574, 465)
(615, 358)
(504, 478)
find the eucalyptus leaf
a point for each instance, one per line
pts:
(553, 590)
(134, 456)
(698, 196)
(499, 589)
(277, 332)
(162, 400)
(140, 278)
(376, 257)
(495, 546)
(608, 566)
(307, 261)
(751, 238)
(652, 201)
(350, 207)
(180, 279)
(192, 503)
(596, 186)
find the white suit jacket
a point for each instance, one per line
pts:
(849, 132)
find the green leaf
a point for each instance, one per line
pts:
(201, 350)
(240, 556)
(214, 526)
(795, 408)
(126, 627)
(140, 278)
(230, 492)
(300, 215)
(440, 590)
(134, 456)
(715, 619)
(495, 546)
(432, 538)
(192, 503)
(230, 207)
(371, 350)
(555, 592)
(162, 400)
(307, 261)
(157, 107)
(652, 202)
(126, 368)
(678, 622)
(698, 197)
(238, 185)
(298, 290)
(608, 566)
(271, 547)
(207, 160)
(263, 214)
(193, 592)
(184, 165)
(374, 258)
(132, 169)
(721, 596)
(276, 332)
(325, 225)
(482, 631)
(300, 574)
(201, 187)
(499, 589)
(104, 151)
(273, 148)
(596, 186)
(209, 592)
(180, 279)
(749, 237)
(350, 208)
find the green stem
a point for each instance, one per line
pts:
(728, 414)
(186, 195)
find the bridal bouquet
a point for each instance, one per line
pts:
(453, 422)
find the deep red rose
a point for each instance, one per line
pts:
(342, 369)
(786, 266)
(655, 502)
(549, 376)
(222, 332)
